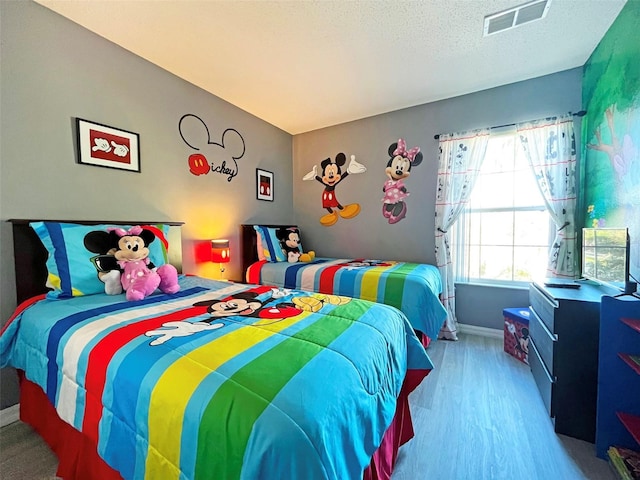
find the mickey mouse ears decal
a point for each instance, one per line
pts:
(217, 157)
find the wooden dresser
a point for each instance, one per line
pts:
(563, 354)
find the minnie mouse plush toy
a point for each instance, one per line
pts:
(139, 277)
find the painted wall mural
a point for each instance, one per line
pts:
(611, 131)
(331, 175)
(219, 157)
(401, 161)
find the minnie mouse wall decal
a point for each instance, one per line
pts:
(398, 168)
(212, 156)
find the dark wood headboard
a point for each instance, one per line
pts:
(249, 247)
(249, 244)
(31, 256)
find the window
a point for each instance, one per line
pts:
(503, 234)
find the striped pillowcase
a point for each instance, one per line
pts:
(269, 246)
(71, 272)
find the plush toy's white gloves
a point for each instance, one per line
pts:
(180, 329)
(355, 167)
(112, 284)
(312, 174)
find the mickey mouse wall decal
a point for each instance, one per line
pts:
(332, 175)
(212, 156)
(398, 168)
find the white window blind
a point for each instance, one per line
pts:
(503, 234)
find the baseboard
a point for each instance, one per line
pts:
(482, 331)
(9, 415)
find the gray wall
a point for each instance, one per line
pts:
(412, 239)
(54, 71)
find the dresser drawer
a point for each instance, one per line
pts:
(545, 340)
(543, 378)
(546, 308)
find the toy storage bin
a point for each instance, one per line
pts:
(516, 333)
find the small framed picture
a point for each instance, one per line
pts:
(264, 185)
(106, 146)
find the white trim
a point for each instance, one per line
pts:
(9, 415)
(482, 331)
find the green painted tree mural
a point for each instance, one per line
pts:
(611, 129)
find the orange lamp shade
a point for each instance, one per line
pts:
(220, 251)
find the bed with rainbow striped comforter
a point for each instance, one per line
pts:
(413, 288)
(221, 380)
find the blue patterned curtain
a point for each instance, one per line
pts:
(550, 147)
(461, 156)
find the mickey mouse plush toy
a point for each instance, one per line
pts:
(104, 245)
(290, 242)
(398, 168)
(139, 276)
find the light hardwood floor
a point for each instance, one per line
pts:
(477, 416)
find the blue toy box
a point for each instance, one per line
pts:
(516, 333)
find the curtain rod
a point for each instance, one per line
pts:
(581, 113)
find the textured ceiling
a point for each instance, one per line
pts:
(308, 64)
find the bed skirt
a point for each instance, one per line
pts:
(78, 457)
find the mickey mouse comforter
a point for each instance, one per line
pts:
(413, 288)
(220, 380)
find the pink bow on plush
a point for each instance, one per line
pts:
(401, 149)
(121, 232)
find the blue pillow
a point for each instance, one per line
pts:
(271, 246)
(71, 272)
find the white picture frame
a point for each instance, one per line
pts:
(264, 185)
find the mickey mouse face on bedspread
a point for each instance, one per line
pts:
(247, 304)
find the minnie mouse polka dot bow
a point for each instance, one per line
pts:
(121, 232)
(401, 149)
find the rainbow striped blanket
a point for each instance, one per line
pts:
(221, 380)
(413, 288)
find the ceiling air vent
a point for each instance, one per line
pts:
(516, 16)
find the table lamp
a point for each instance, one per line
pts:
(220, 252)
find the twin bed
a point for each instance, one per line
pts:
(218, 380)
(413, 288)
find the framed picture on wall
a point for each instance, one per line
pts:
(264, 185)
(106, 146)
